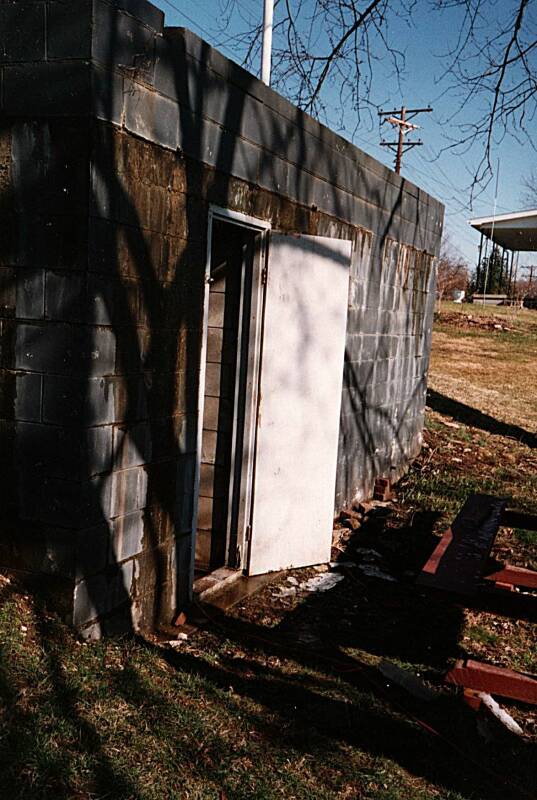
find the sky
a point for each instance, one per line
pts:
(442, 173)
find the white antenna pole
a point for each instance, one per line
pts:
(266, 49)
(492, 231)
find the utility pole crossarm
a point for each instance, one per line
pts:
(412, 111)
(402, 123)
(396, 121)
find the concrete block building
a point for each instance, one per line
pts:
(215, 314)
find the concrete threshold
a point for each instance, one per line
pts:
(226, 587)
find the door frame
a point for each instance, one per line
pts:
(262, 227)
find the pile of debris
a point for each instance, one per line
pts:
(487, 323)
(350, 520)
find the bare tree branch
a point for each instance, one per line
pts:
(490, 71)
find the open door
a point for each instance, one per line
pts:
(299, 402)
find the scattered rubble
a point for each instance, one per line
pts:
(482, 322)
(493, 710)
(286, 591)
(367, 554)
(181, 637)
(382, 490)
(374, 572)
(322, 583)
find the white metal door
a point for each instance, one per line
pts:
(300, 400)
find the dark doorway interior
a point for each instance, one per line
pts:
(232, 248)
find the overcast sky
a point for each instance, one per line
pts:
(440, 172)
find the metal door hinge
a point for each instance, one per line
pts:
(248, 533)
(263, 276)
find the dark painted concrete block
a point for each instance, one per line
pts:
(100, 401)
(48, 450)
(129, 491)
(22, 32)
(97, 454)
(105, 195)
(98, 351)
(49, 167)
(108, 94)
(120, 39)
(65, 297)
(47, 88)
(95, 500)
(54, 501)
(145, 12)
(353, 346)
(381, 372)
(151, 116)
(132, 445)
(57, 242)
(90, 599)
(63, 399)
(8, 332)
(65, 349)
(45, 348)
(8, 290)
(112, 301)
(28, 398)
(372, 294)
(92, 548)
(69, 29)
(70, 400)
(127, 536)
(30, 294)
(369, 348)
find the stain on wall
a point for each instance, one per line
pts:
(117, 135)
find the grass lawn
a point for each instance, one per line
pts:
(285, 697)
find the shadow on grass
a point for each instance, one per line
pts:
(385, 618)
(477, 419)
(258, 711)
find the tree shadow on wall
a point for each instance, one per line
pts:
(124, 491)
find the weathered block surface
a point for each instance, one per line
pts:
(118, 134)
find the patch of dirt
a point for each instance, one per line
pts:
(459, 320)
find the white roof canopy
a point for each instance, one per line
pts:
(516, 231)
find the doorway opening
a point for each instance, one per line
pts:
(233, 307)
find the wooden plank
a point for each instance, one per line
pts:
(494, 680)
(458, 563)
(516, 576)
(432, 565)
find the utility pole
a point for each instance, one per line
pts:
(402, 123)
(266, 47)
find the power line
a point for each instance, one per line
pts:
(408, 113)
(211, 37)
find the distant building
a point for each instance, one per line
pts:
(490, 299)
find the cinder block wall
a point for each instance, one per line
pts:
(117, 135)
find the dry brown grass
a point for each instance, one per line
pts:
(494, 372)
